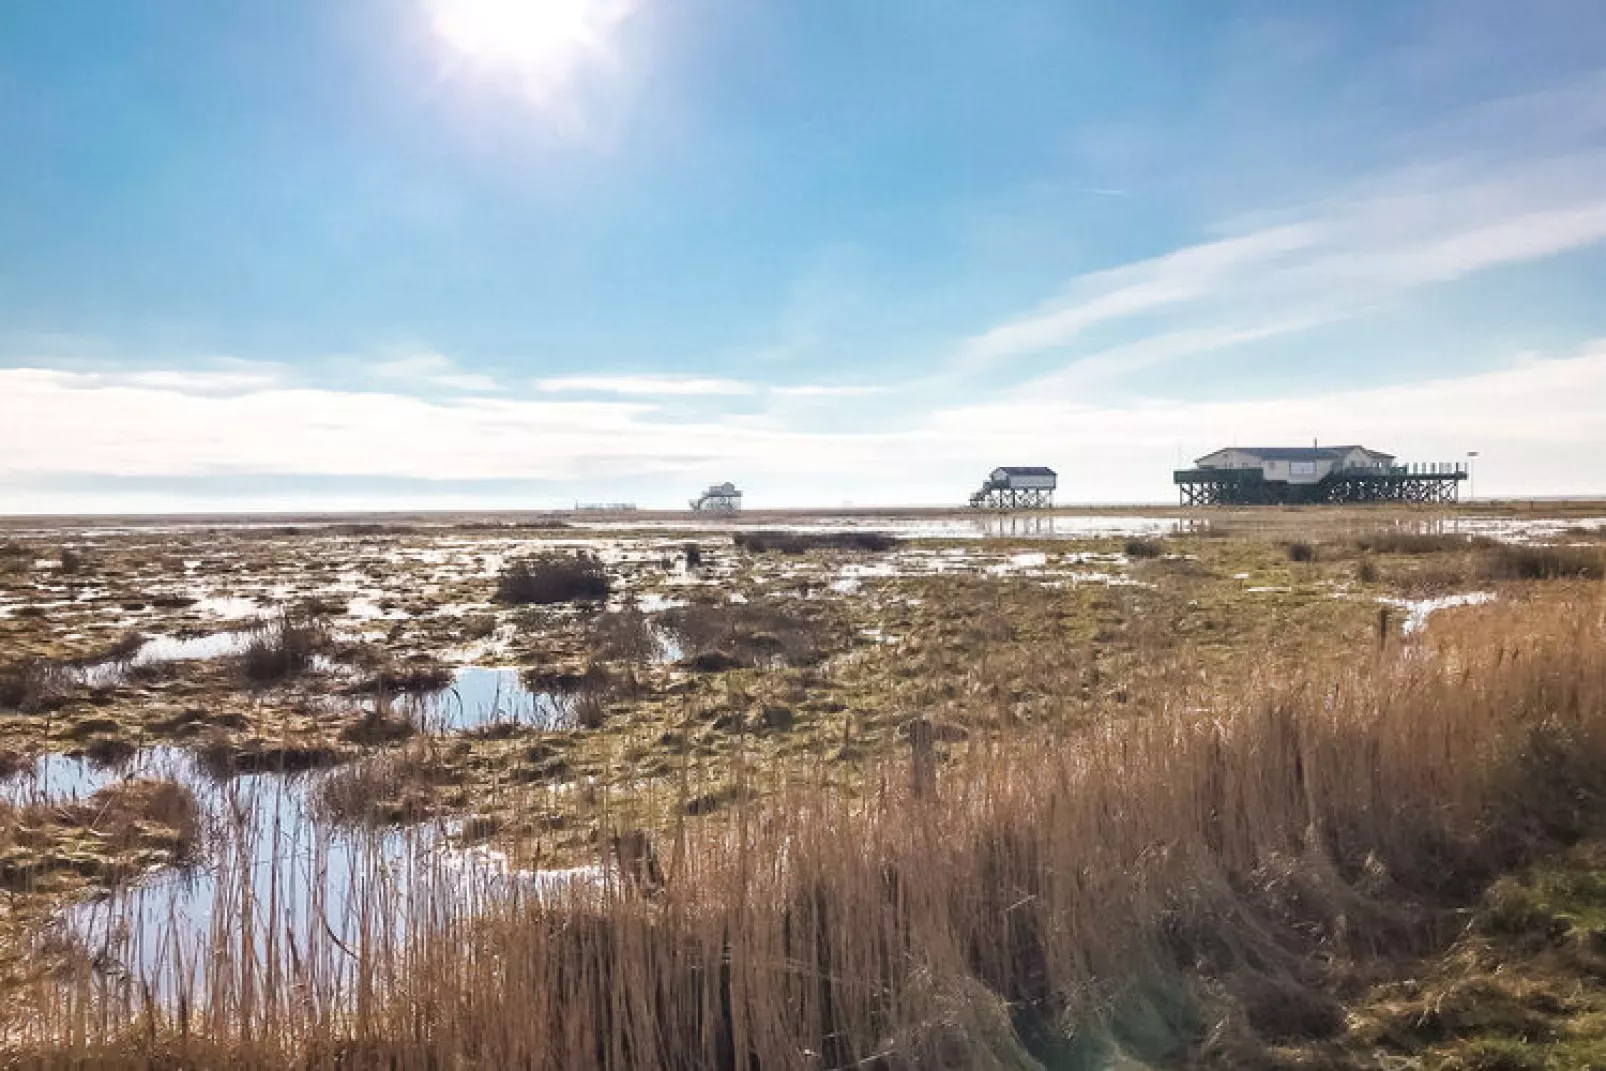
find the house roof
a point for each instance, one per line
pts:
(1295, 453)
(1026, 470)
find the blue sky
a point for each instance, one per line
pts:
(394, 253)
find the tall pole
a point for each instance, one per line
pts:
(1472, 475)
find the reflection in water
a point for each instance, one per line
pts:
(277, 896)
(482, 695)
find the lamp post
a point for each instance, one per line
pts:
(1472, 475)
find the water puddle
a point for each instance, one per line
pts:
(480, 695)
(274, 885)
(1417, 611)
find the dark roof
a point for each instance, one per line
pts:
(1297, 453)
(1026, 470)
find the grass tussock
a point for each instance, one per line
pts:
(388, 789)
(553, 578)
(732, 635)
(118, 832)
(282, 649)
(767, 542)
(404, 679)
(1139, 547)
(34, 686)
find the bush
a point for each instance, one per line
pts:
(1301, 552)
(1137, 547)
(553, 578)
(801, 542)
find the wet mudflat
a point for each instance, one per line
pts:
(359, 717)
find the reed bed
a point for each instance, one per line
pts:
(1173, 889)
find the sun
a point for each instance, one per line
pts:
(541, 43)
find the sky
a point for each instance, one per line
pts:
(416, 254)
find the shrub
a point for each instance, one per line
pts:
(694, 556)
(553, 578)
(1301, 552)
(1138, 547)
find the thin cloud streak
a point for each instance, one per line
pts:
(670, 385)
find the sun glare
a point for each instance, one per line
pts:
(542, 43)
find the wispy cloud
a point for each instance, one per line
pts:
(1366, 248)
(431, 369)
(645, 385)
(824, 390)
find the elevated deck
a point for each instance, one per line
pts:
(1424, 484)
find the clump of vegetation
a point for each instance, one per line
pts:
(626, 636)
(388, 789)
(282, 649)
(1301, 552)
(747, 634)
(379, 725)
(73, 561)
(553, 578)
(404, 679)
(1391, 542)
(1139, 547)
(222, 757)
(694, 555)
(1532, 562)
(33, 685)
(117, 833)
(800, 542)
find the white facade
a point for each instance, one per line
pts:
(1295, 465)
(1024, 481)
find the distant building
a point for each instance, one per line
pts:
(1017, 487)
(1271, 475)
(719, 498)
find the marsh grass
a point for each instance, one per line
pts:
(1164, 889)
